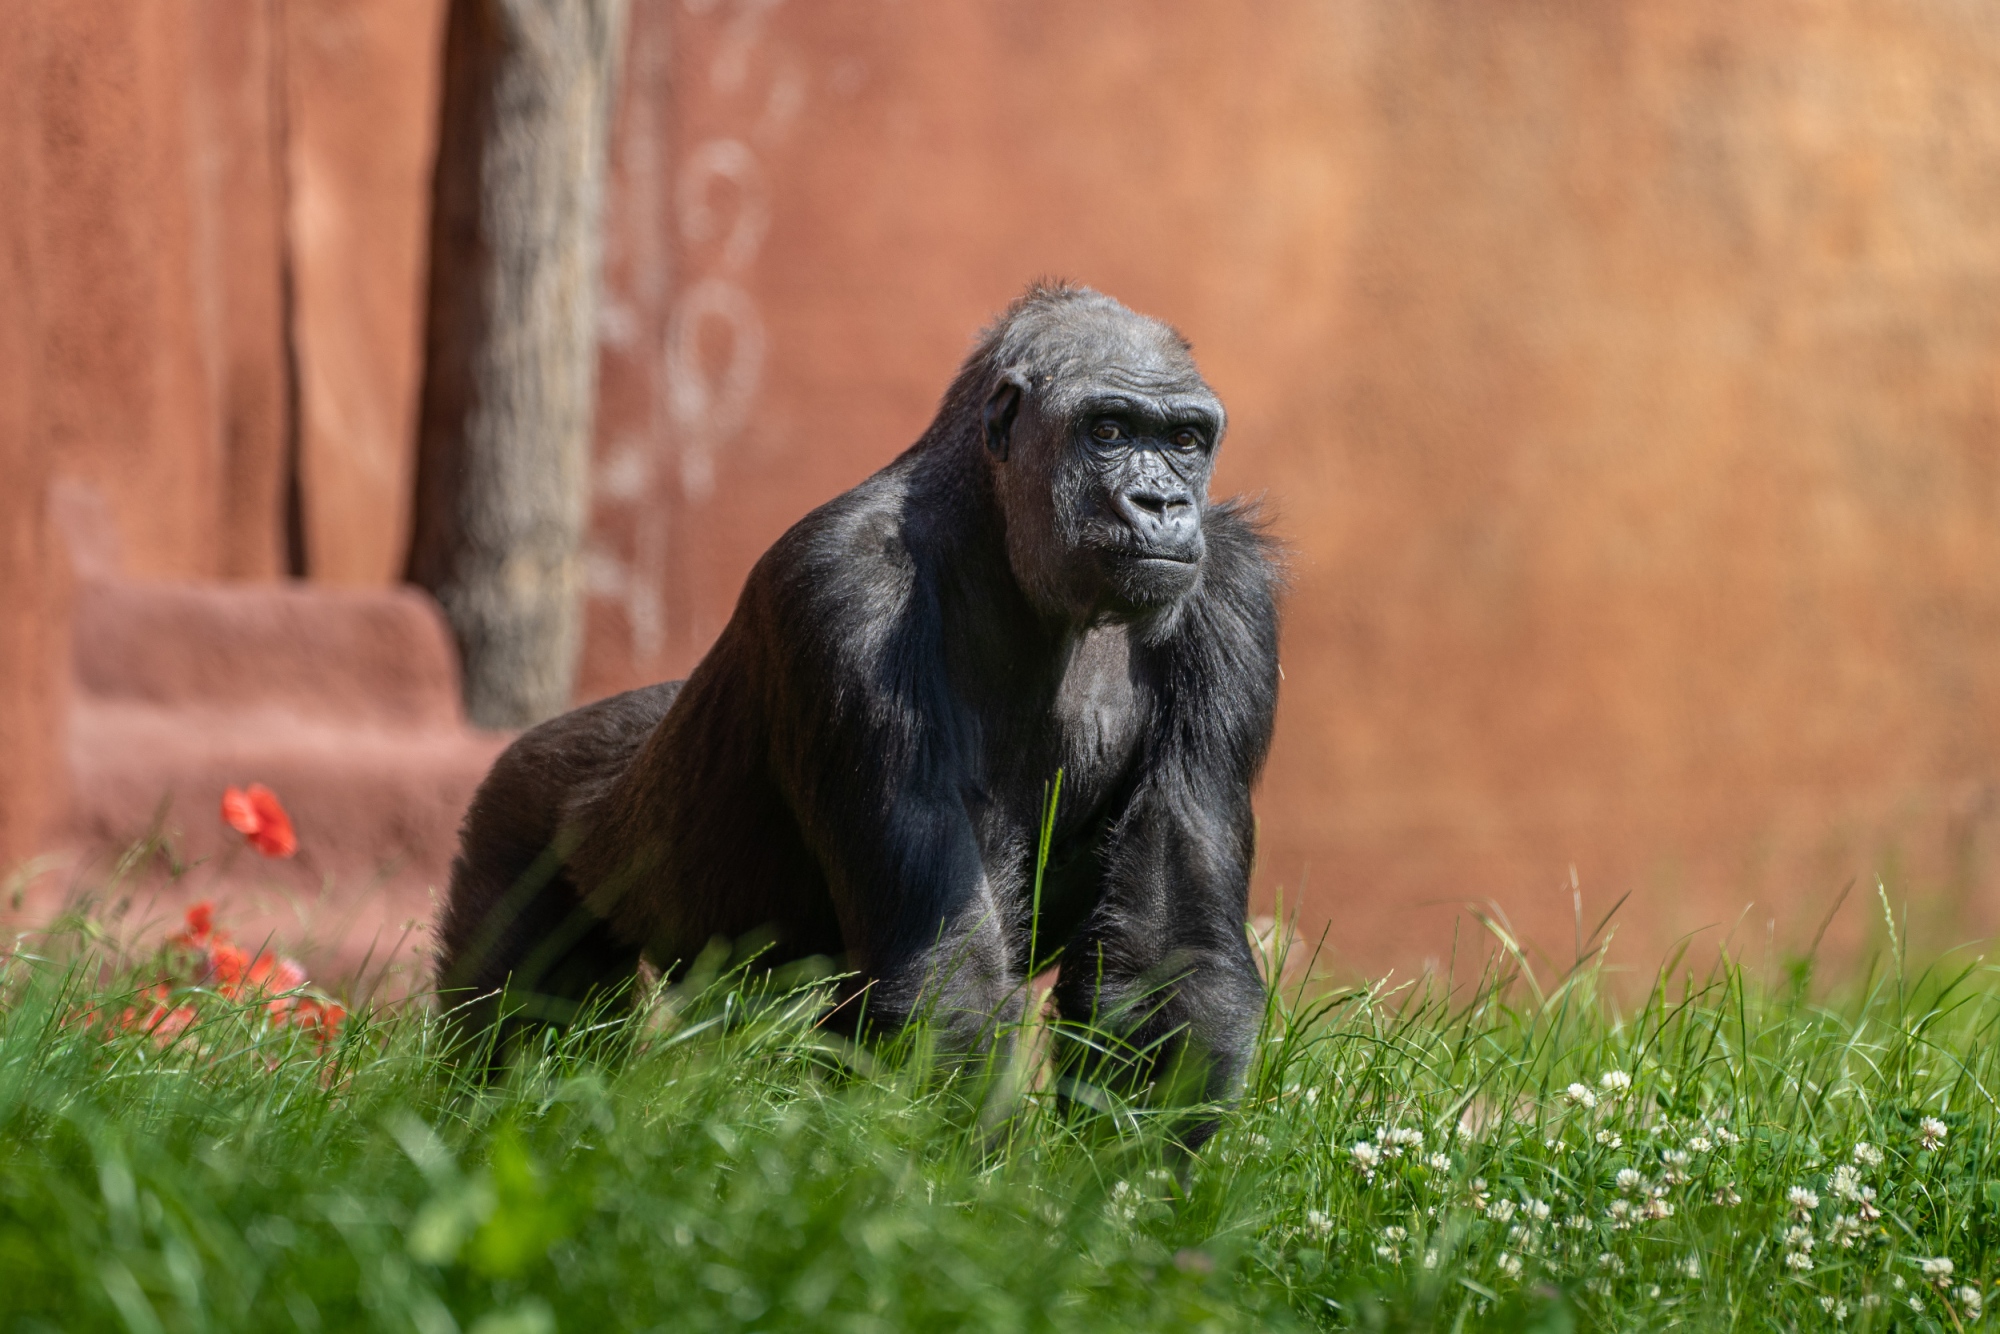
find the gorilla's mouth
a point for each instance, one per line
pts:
(1145, 559)
(1141, 578)
(1111, 548)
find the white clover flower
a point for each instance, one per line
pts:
(1930, 1132)
(1500, 1210)
(1614, 1082)
(1846, 1183)
(1577, 1222)
(1659, 1208)
(1610, 1139)
(1870, 1300)
(1580, 1095)
(1800, 1261)
(1620, 1214)
(1389, 1253)
(1629, 1179)
(1916, 1302)
(1395, 1234)
(1537, 1210)
(1826, 1303)
(1727, 1196)
(1430, 1259)
(1510, 1265)
(1692, 1266)
(1798, 1238)
(1896, 1282)
(1801, 1200)
(1867, 1155)
(1971, 1300)
(1674, 1157)
(1402, 1137)
(1475, 1195)
(1366, 1157)
(1839, 1312)
(1847, 1230)
(1701, 1144)
(1724, 1135)
(1439, 1162)
(1610, 1263)
(1938, 1270)
(1319, 1222)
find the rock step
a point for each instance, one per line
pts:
(344, 702)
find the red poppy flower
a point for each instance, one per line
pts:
(255, 813)
(200, 927)
(276, 973)
(229, 964)
(165, 1025)
(322, 1019)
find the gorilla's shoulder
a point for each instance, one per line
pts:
(1245, 567)
(847, 563)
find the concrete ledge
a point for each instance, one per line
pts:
(343, 701)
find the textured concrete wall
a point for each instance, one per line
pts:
(29, 676)
(156, 253)
(1622, 376)
(1625, 377)
(362, 80)
(233, 208)
(202, 199)
(1660, 437)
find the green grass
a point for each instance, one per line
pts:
(717, 1163)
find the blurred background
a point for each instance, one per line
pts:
(1623, 377)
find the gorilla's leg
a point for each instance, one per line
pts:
(962, 985)
(1159, 1015)
(537, 957)
(516, 944)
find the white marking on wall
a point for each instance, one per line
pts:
(713, 361)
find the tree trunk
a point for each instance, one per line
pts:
(510, 379)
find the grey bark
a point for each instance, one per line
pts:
(510, 377)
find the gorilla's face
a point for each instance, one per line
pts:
(1103, 476)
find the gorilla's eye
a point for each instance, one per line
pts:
(1186, 438)
(1106, 431)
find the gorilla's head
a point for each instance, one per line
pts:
(1100, 435)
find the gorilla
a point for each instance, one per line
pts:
(858, 769)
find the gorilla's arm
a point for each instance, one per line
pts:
(871, 754)
(1163, 960)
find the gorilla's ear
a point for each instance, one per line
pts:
(1000, 412)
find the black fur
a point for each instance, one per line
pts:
(858, 765)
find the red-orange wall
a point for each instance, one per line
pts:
(1624, 378)
(29, 672)
(211, 238)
